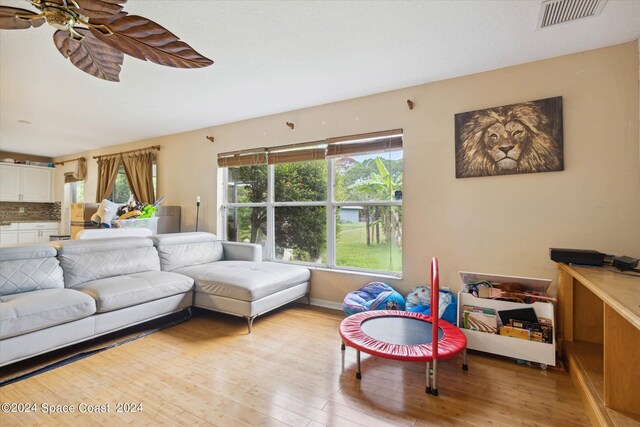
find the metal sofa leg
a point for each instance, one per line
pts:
(250, 322)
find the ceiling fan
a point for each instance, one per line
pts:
(95, 35)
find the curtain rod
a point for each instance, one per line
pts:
(153, 147)
(70, 160)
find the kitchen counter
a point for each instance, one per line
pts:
(14, 221)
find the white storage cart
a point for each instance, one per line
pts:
(533, 351)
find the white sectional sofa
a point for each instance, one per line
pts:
(55, 295)
(58, 294)
(231, 277)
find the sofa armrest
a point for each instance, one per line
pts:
(236, 251)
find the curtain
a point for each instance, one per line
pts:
(243, 158)
(80, 172)
(68, 177)
(139, 170)
(301, 152)
(365, 143)
(107, 174)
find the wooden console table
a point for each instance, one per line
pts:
(599, 332)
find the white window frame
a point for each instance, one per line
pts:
(331, 205)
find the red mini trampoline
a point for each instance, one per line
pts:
(405, 336)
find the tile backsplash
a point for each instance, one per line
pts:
(10, 211)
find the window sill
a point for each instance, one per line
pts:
(339, 270)
(359, 273)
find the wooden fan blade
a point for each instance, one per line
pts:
(144, 39)
(90, 55)
(101, 11)
(8, 20)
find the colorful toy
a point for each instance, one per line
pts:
(374, 296)
(106, 212)
(418, 301)
(149, 211)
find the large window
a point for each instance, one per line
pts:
(121, 189)
(335, 203)
(76, 191)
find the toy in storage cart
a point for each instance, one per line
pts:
(150, 223)
(530, 332)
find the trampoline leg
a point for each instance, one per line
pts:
(465, 367)
(434, 379)
(358, 374)
(428, 389)
(343, 347)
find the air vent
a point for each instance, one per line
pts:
(555, 12)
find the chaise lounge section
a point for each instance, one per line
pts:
(231, 277)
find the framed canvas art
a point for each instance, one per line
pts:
(512, 139)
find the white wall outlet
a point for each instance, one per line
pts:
(21, 210)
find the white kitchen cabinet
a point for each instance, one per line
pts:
(36, 184)
(10, 183)
(36, 232)
(8, 238)
(45, 235)
(21, 183)
(8, 233)
(31, 236)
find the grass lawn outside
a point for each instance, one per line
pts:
(352, 250)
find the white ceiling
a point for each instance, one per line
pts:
(270, 57)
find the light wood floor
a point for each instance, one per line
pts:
(289, 371)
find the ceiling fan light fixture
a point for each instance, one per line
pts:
(99, 32)
(61, 19)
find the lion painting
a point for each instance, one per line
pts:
(512, 139)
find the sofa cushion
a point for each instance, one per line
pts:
(29, 267)
(32, 311)
(93, 259)
(113, 293)
(243, 280)
(179, 250)
(26, 251)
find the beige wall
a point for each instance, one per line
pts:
(502, 225)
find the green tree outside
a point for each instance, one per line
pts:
(300, 231)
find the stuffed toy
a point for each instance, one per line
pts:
(418, 301)
(105, 214)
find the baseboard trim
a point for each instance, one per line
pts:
(326, 303)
